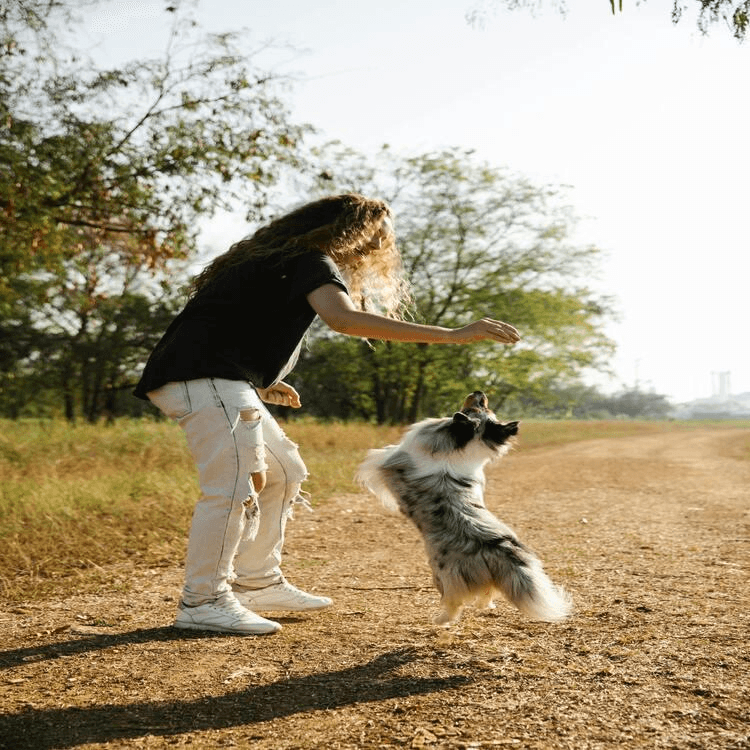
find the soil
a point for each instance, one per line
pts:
(649, 534)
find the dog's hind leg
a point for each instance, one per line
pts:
(451, 606)
(484, 600)
(454, 596)
(450, 611)
(446, 614)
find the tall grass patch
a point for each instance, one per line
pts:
(75, 498)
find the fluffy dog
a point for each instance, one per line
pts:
(435, 476)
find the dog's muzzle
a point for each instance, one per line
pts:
(476, 401)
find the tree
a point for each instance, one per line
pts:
(101, 315)
(734, 13)
(476, 240)
(334, 379)
(104, 176)
(578, 401)
(635, 403)
(142, 151)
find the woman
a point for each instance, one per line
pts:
(228, 351)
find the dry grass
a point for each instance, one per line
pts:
(74, 499)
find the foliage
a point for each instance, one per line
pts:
(89, 335)
(104, 175)
(477, 241)
(733, 13)
(141, 151)
(578, 401)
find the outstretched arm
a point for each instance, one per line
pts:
(338, 312)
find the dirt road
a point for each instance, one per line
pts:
(649, 534)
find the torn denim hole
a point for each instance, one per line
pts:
(252, 433)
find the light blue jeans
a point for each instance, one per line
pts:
(236, 535)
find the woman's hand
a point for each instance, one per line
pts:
(281, 394)
(487, 328)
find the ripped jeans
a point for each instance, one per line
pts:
(236, 534)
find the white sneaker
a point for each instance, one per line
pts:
(225, 615)
(278, 597)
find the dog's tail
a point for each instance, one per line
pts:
(519, 575)
(371, 476)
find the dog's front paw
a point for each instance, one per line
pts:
(446, 616)
(443, 619)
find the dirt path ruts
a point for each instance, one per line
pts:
(650, 534)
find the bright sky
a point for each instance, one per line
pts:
(647, 121)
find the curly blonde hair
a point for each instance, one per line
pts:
(354, 231)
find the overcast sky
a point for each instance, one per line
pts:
(647, 121)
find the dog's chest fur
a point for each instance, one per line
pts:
(433, 492)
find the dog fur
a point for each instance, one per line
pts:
(435, 476)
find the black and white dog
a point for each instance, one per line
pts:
(435, 476)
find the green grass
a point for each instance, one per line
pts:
(75, 499)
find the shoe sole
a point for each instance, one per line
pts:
(261, 608)
(219, 629)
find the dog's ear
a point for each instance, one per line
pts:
(511, 427)
(499, 432)
(462, 428)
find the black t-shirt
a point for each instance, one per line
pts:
(246, 326)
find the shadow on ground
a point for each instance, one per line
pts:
(43, 729)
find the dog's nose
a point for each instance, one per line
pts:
(476, 400)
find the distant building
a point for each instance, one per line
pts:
(721, 405)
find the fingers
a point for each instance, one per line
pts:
(281, 394)
(278, 398)
(503, 332)
(294, 400)
(290, 395)
(488, 329)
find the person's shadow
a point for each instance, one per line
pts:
(47, 728)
